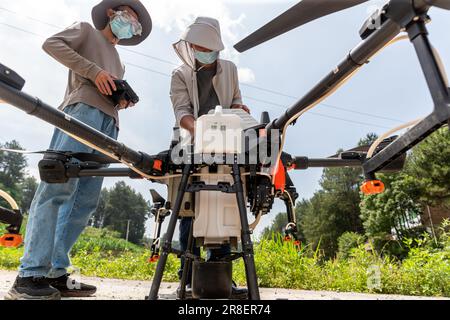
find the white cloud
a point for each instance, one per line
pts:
(246, 75)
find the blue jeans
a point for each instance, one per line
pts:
(211, 255)
(60, 212)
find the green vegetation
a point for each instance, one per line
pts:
(425, 270)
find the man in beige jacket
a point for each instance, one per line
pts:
(203, 82)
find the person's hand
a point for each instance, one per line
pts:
(188, 123)
(241, 106)
(105, 83)
(1, 101)
(124, 104)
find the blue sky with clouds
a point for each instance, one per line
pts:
(391, 88)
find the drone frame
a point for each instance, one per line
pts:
(400, 15)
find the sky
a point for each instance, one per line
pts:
(389, 91)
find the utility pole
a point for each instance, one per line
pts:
(128, 230)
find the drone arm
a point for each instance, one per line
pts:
(59, 119)
(302, 163)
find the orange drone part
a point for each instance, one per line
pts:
(279, 176)
(11, 240)
(372, 187)
(157, 165)
(153, 259)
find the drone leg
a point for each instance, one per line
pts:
(187, 262)
(166, 245)
(247, 245)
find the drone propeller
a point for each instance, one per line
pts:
(156, 197)
(300, 14)
(443, 4)
(361, 149)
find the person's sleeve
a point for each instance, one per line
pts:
(179, 96)
(63, 47)
(237, 96)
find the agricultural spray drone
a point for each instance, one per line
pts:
(218, 193)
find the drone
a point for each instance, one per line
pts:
(219, 194)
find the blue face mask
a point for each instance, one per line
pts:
(121, 28)
(206, 57)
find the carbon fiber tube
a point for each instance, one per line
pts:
(302, 163)
(59, 119)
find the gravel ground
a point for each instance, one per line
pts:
(113, 289)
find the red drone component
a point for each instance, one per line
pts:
(153, 259)
(157, 165)
(279, 176)
(372, 187)
(11, 240)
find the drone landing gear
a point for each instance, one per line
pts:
(247, 245)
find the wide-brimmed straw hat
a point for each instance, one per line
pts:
(101, 19)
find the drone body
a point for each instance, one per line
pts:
(235, 173)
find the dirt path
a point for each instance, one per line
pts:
(113, 289)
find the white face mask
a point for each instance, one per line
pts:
(206, 57)
(125, 26)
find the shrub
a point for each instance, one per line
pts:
(348, 241)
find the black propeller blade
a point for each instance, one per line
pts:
(364, 148)
(300, 14)
(443, 4)
(156, 197)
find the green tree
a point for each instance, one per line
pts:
(99, 217)
(124, 204)
(317, 221)
(429, 164)
(391, 212)
(12, 170)
(28, 188)
(425, 180)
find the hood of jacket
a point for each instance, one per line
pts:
(204, 32)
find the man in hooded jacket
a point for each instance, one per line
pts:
(203, 82)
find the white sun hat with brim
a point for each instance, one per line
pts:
(204, 32)
(100, 18)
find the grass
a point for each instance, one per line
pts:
(426, 270)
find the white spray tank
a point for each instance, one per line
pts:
(217, 219)
(219, 133)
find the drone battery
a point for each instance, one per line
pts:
(212, 280)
